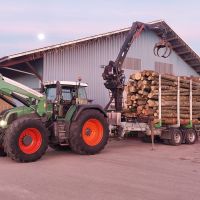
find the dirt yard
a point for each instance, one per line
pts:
(125, 170)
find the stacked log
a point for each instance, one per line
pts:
(142, 97)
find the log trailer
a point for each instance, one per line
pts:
(120, 124)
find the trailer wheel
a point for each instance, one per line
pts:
(89, 133)
(176, 137)
(190, 136)
(26, 140)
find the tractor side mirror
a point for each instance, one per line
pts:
(42, 88)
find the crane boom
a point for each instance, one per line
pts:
(22, 93)
(114, 74)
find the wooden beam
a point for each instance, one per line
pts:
(183, 52)
(17, 70)
(189, 59)
(195, 65)
(172, 38)
(34, 71)
(197, 70)
(177, 46)
(14, 61)
(160, 33)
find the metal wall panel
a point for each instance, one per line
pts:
(85, 60)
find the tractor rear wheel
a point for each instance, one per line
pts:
(89, 133)
(26, 140)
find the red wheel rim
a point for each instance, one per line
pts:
(92, 132)
(35, 142)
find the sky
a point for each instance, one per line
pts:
(27, 25)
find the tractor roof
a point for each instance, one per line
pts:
(65, 83)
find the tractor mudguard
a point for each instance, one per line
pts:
(11, 115)
(75, 111)
(81, 108)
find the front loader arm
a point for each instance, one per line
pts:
(22, 93)
(8, 87)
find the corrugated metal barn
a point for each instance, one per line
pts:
(86, 58)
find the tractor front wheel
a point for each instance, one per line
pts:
(90, 133)
(26, 140)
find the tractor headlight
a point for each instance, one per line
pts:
(45, 105)
(3, 123)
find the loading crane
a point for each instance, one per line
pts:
(114, 74)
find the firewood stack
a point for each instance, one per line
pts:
(142, 97)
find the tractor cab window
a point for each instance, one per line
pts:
(51, 93)
(82, 93)
(67, 93)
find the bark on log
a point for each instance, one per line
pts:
(143, 96)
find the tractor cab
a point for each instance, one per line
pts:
(63, 94)
(69, 91)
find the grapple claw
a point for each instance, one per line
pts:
(163, 44)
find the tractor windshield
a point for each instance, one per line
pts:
(67, 93)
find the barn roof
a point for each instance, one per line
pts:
(178, 45)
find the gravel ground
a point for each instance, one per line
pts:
(126, 169)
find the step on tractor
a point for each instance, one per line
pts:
(60, 118)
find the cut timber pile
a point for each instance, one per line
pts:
(142, 97)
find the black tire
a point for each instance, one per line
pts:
(14, 144)
(58, 147)
(176, 137)
(166, 141)
(77, 143)
(146, 139)
(2, 152)
(190, 136)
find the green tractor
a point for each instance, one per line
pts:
(60, 118)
